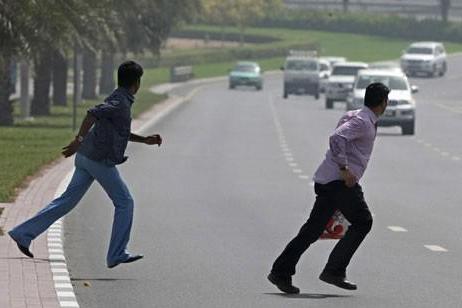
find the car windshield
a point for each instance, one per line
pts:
(346, 70)
(393, 82)
(420, 51)
(323, 67)
(248, 68)
(301, 65)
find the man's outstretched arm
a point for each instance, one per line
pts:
(72, 147)
(152, 139)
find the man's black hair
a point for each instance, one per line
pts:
(375, 94)
(128, 74)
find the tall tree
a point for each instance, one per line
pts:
(142, 25)
(345, 5)
(445, 5)
(30, 28)
(59, 78)
(40, 104)
(89, 74)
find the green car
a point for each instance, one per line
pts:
(246, 74)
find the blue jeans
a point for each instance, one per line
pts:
(86, 170)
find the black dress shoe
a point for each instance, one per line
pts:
(283, 283)
(338, 281)
(25, 250)
(131, 258)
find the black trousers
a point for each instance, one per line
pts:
(329, 197)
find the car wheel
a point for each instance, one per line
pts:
(316, 95)
(444, 69)
(286, 94)
(408, 128)
(435, 72)
(259, 87)
(232, 86)
(329, 103)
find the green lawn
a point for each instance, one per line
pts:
(354, 47)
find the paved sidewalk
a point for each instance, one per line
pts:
(26, 282)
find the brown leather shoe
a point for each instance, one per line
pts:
(283, 283)
(338, 281)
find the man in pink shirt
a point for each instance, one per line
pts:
(337, 187)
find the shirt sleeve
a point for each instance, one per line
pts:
(348, 131)
(106, 110)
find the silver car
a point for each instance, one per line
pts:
(340, 82)
(424, 57)
(401, 104)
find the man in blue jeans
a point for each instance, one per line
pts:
(100, 146)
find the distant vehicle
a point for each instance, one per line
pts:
(301, 74)
(334, 60)
(246, 74)
(385, 66)
(341, 80)
(425, 57)
(324, 73)
(401, 104)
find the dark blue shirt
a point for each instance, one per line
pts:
(108, 138)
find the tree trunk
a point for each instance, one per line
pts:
(89, 74)
(445, 5)
(345, 6)
(60, 66)
(106, 81)
(42, 80)
(6, 110)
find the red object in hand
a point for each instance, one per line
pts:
(336, 227)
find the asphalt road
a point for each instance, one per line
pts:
(232, 184)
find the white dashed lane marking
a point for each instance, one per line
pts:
(397, 229)
(435, 248)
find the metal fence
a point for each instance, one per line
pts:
(420, 9)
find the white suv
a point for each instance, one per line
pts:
(401, 104)
(424, 57)
(341, 81)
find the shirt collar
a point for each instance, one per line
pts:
(370, 114)
(124, 91)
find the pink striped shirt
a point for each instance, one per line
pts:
(350, 145)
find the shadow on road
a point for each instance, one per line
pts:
(102, 279)
(308, 295)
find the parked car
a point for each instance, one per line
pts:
(401, 103)
(425, 57)
(341, 80)
(246, 74)
(301, 74)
